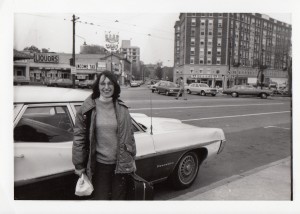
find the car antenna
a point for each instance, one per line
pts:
(151, 128)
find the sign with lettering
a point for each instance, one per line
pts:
(101, 66)
(85, 66)
(73, 70)
(111, 41)
(46, 58)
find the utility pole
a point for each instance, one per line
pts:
(262, 67)
(73, 52)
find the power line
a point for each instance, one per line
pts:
(100, 25)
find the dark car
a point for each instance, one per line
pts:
(43, 138)
(167, 88)
(237, 90)
(60, 83)
(86, 84)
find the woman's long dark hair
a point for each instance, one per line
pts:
(113, 79)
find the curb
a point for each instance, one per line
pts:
(225, 181)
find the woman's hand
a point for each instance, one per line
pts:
(79, 172)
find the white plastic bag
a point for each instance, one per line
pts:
(84, 187)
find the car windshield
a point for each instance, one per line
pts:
(171, 84)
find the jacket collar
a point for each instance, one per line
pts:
(89, 104)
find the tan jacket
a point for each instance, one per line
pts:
(84, 150)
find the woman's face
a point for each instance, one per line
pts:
(106, 87)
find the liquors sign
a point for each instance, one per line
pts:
(111, 41)
(46, 58)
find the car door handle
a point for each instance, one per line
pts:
(19, 156)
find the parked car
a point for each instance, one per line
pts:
(43, 137)
(283, 90)
(153, 87)
(201, 88)
(237, 90)
(167, 88)
(134, 84)
(86, 84)
(60, 83)
(21, 80)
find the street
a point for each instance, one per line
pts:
(258, 131)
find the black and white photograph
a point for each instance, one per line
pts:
(176, 107)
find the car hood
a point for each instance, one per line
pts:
(179, 130)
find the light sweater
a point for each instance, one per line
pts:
(106, 131)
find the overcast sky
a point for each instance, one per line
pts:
(152, 32)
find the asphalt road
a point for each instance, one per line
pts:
(258, 131)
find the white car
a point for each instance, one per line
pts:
(43, 136)
(201, 88)
(134, 84)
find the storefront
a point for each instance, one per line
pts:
(52, 66)
(209, 79)
(86, 71)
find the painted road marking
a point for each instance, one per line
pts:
(241, 115)
(214, 106)
(276, 127)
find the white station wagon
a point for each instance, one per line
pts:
(201, 88)
(43, 136)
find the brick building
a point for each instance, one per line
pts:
(228, 48)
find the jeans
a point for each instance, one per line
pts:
(181, 91)
(107, 184)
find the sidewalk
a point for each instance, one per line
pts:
(269, 182)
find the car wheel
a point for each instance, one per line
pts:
(203, 93)
(263, 96)
(213, 95)
(186, 171)
(188, 91)
(167, 93)
(234, 94)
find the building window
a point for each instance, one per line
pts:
(219, 51)
(201, 52)
(220, 22)
(218, 60)
(192, 51)
(219, 42)
(201, 61)
(192, 41)
(192, 31)
(202, 33)
(210, 33)
(202, 42)
(220, 14)
(209, 61)
(209, 42)
(209, 51)
(192, 59)
(210, 14)
(202, 22)
(193, 21)
(210, 22)
(220, 32)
